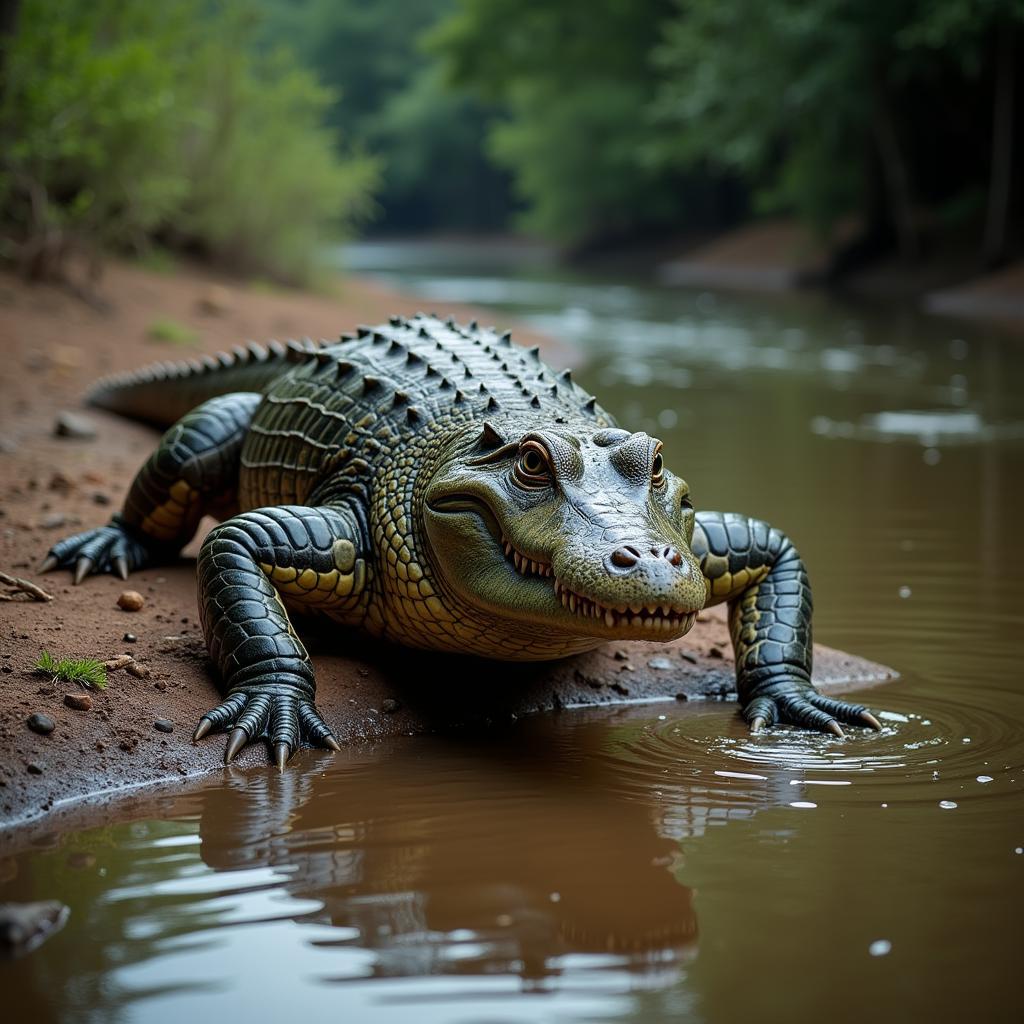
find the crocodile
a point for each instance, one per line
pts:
(439, 486)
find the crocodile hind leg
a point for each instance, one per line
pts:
(248, 567)
(756, 569)
(193, 471)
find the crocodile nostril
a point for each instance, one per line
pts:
(669, 553)
(626, 557)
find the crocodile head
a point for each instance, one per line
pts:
(583, 533)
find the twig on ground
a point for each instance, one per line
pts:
(25, 586)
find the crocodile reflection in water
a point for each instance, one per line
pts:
(506, 858)
(506, 878)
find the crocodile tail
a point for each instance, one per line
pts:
(162, 393)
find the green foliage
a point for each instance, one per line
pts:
(124, 119)
(623, 113)
(85, 671)
(165, 328)
(429, 140)
(575, 81)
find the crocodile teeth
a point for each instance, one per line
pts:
(524, 565)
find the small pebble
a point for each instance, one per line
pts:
(389, 706)
(129, 638)
(40, 723)
(53, 521)
(78, 701)
(133, 668)
(660, 664)
(70, 424)
(163, 725)
(131, 601)
(99, 498)
(35, 768)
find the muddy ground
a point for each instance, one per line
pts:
(52, 346)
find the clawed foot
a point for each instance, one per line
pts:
(268, 712)
(109, 548)
(808, 708)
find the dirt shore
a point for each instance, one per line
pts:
(52, 346)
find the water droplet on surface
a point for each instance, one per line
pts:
(932, 456)
(802, 804)
(555, 897)
(905, 592)
(880, 947)
(948, 805)
(984, 778)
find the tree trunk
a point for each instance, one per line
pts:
(998, 217)
(894, 171)
(8, 28)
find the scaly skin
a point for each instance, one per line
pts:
(440, 487)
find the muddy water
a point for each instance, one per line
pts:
(654, 863)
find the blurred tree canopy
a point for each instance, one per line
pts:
(395, 104)
(624, 112)
(251, 131)
(123, 120)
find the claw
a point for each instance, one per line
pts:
(49, 562)
(836, 729)
(236, 741)
(869, 719)
(204, 726)
(282, 751)
(121, 566)
(331, 743)
(756, 725)
(82, 569)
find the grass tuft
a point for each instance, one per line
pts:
(86, 671)
(165, 328)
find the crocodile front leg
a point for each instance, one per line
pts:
(192, 472)
(758, 571)
(309, 556)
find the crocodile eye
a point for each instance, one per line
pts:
(658, 469)
(532, 467)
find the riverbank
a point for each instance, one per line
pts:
(53, 346)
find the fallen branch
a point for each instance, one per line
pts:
(25, 586)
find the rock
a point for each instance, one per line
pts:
(60, 483)
(660, 664)
(715, 652)
(389, 706)
(68, 357)
(41, 723)
(53, 521)
(121, 661)
(163, 725)
(99, 498)
(129, 638)
(215, 301)
(34, 768)
(25, 926)
(74, 425)
(78, 701)
(131, 601)
(133, 668)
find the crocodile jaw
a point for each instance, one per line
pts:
(621, 621)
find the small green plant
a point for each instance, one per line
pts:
(166, 329)
(86, 671)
